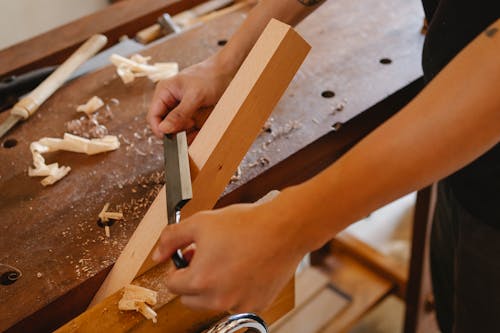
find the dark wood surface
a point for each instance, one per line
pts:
(54, 46)
(51, 234)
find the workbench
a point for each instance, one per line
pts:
(363, 67)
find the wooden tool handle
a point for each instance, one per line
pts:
(29, 104)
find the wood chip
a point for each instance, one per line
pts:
(138, 298)
(137, 66)
(91, 106)
(53, 172)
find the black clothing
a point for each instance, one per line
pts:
(465, 269)
(465, 239)
(452, 25)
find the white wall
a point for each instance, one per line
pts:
(22, 19)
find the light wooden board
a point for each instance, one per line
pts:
(364, 287)
(315, 304)
(222, 142)
(173, 316)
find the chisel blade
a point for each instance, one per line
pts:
(177, 182)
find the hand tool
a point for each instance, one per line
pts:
(177, 182)
(13, 87)
(28, 105)
(168, 25)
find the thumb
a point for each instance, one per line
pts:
(181, 117)
(173, 237)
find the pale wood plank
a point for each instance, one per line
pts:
(378, 262)
(173, 316)
(315, 304)
(222, 142)
(364, 287)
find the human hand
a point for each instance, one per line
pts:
(245, 254)
(177, 99)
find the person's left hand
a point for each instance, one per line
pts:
(245, 254)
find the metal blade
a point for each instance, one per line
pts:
(177, 183)
(177, 174)
(8, 124)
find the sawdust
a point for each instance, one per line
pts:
(91, 126)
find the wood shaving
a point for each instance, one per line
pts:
(53, 172)
(91, 106)
(282, 131)
(138, 298)
(236, 176)
(105, 216)
(77, 144)
(137, 66)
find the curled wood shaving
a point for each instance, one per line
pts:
(53, 172)
(79, 144)
(137, 66)
(138, 298)
(91, 106)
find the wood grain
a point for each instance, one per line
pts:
(221, 143)
(53, 231)
(173, 316)
(371, 258)
(363, 287)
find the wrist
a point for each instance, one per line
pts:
(295, 216)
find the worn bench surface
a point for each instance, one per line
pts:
(51, 234)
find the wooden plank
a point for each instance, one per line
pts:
(221, 143)
(69, 250)
(315, 314)
(371, 258)
(312, 298)
(52, 47)
(362, 286)
(308, 284)
(173, 316)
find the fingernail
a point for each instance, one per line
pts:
(156, 255)
(166, 127)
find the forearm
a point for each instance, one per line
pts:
(289, 11)
(454, 120)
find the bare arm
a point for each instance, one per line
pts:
(455, 119)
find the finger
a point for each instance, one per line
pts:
(181, 117)
(197, 302)
(163, 100)
(172, 238)
(205, 301)
(181, 282)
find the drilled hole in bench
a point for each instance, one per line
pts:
(9, 143)
(9, 277)
(327, 94)
(385, 61)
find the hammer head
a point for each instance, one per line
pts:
(168, 25)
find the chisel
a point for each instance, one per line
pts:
(177, 182)
(28, 105)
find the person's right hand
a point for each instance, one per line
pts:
(177, 99)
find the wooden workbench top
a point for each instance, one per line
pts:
(51, 234)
